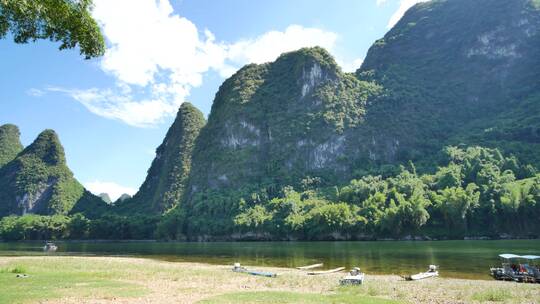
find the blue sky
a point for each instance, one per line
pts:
(112, 112)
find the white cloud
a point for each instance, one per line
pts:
(351, 66)
(119, 104)
(146, 37)
(381, 2)
(404, 5)
(270, 45)
(156, 57)
(35, 92)
(112, 189)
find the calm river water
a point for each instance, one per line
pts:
(458, 259)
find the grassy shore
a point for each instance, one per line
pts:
(132, 280)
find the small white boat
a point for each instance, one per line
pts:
(326, 271)
(50, 247)
(431, 273)
(355, 277)
(310, 266)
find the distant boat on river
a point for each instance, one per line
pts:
(50, 247)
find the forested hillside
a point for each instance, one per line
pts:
(167, 177)
(10, 143)
(37, 180)
(436, 135)
(457, 72)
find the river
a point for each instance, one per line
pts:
(456, 259)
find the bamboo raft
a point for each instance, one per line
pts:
(238, 268)
(309, 267)
(326, 271)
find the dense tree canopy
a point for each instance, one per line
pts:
(10, 143)
(474, 193)
(66, 21)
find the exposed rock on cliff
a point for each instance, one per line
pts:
(456, 72)
(281, 121)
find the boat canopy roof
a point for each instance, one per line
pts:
(531, 257)
(514, 256)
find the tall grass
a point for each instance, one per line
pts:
(494, 295)
(15, 269)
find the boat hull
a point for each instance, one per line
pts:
(424, 275)
(326, 271)
(352, 280)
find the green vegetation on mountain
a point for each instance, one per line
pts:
(450, 73)
(77, 227)
(10, 143)
(270, 126)
(478, 192)
(39, 181)
(456, 72)
(437, 134)
(67, 21)
(165, 184)
(275, 122)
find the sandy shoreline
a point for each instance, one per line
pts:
(179, 282)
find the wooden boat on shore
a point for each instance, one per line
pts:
(309, 267)
(431, 273)
(262, 273)
(355, 277)
(326, 271)
(238, 268)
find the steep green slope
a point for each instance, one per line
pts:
(39, 181)
(10, 143)
(167, 176)
(451, 72)
(277, 122)
(272, 125)
(457, 71)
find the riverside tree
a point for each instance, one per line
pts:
(66, 21)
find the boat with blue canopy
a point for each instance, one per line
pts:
(518, 268)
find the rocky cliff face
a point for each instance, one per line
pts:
(453, 72)
(279, 122)
(167, 176)
(450, 72)
(10, 143)
(39, 181)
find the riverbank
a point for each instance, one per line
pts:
(134, 280)
(261, 237)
